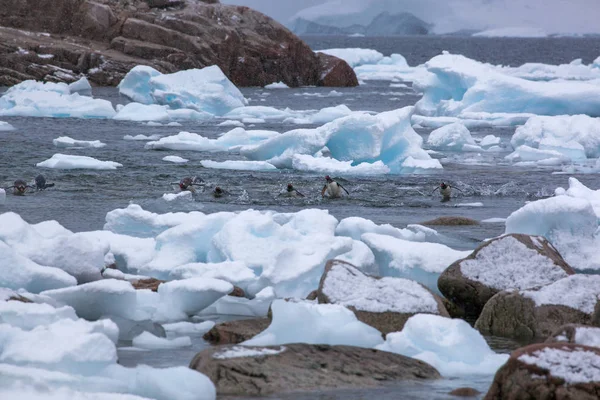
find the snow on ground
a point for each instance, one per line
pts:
(204, 90)
(522, 32)
(355, 56)
(306, 322)
(175, 159)
(572, 365)
(239, 165)
(38, 99)
(67, 142)
(66, 161)
(243, 351)
(5, 126)
(452, 346)
(588, 336)
(576, 291)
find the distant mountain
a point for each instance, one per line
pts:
(383, 24)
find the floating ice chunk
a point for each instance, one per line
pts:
(355, 56)
(234, 272)
(24, 391)
(175, 159)
(477, 204)
(577, 291)
(142, 112)
(522, 32)
(146, 340)
(489, 141)
(206, 90)
(37, 99)
(65, 161)
(185, 195)
(239, 165)
(453, 137)
(277, 85)
(189, 296)
(420, 262)
(141, 137)
(460, 85)
(256, 307)
(305, 162)
(526, 153)
(386, 137)
(355, 227)
(241, 351)
(28, 316)
(473, 120)
(189, 327)
(413, 165)
(232, 122)
(187, 114)
(82, 85)
(494, 220)
(174, 123)
(194, 142)
(65, 141)
(315, 324)
(574, 366)
(5, 126)
(452, 346)
(322, 116)
(251, 114)
(560, 132)
(2, 196)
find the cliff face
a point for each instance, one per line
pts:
(59, 39)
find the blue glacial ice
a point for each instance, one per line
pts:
(453, 137)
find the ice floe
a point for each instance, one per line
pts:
(194, 142)
(66, 161)
(175, 159)
(154, 113)
(67, 142)
(521, 32)
(5, 126)
(453, 137)
(239, 165)
(141, 137)
(277, 85)
(326, 165)
(38, 99)
(146, 340)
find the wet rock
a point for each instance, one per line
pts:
(301, 367)
(451, 221)
(18, 297)
(335, 72)
(312, 295)
(150, 283)
(237, 292)
(508, 262)
(577, 334)
(558, 371)
(465, 392)
(251, 48)
(383, 303)
(233, 332)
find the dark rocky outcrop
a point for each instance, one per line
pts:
(18, 297)
(57, 40)
(511, 314)
(465, 392)
(470, 294)
(451, 221)
(296, 367)
(233, 332)
(370, 309)
(335, 72)
(150, 283)
(522, 378)
(237, 292)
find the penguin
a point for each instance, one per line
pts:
(19, 187)
(218, 192)
(40, 183)
(445, 191)
(187, 183)
(291, 192)
(333, 189)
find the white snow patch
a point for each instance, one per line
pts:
(65, 161)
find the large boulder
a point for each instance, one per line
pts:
(260, 371)
(558, 371)
(233, 332)
(105, 39)
(508, 262)
(383, 303)
(532, 314)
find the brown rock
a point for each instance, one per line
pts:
(312, 295)
(302, 367)
(353, 280)
(523, 378)
(150, 283)
(237, 292)
(234, 332)
(596, 315)
(18, 297)
(471, 295)
(465, 392)
(335, 72)
(568, 334)
(451, 221)
(510, 314)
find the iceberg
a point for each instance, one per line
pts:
(386, 137)
(67, 142)
(82, 85)
(5, 126)
(239, 165)
(277, 85)
(311, 323)
(175, 159)
(228, 141)
(460, 85)
(326, 165)
(37, 99)
(65, 161)
(453, 137)
(204, 90)
(452, 346)
(146, 340)
(141, 137)
(189, 327)
(185, 195)
(142, 112)
(521, 32)
(355, 56)
(2, 196)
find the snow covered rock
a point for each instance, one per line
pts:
(205, 90)
(505, 263)
(67, 142)
(577, 334)
(453, 137)
(260, 371)
(451, 346)
(65, 161)
(306, 322)
(538, 313)
(558, 370)
(384, 303)
(238, 331)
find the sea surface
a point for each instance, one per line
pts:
(81, 199)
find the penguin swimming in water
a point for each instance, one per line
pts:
(40, 183)
(218, 192)
(445, 191)
(291, 192)
(333, 189)
(187, 183)
(19, 187)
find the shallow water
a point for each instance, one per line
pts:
(81, 199)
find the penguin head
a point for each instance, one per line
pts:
(218, 190)
(290, 187)
(443, 185)
(328, 179)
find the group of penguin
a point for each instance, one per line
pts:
(20, 187)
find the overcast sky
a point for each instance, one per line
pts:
(281, 10)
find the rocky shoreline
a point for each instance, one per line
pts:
(62, 40)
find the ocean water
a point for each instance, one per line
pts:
(81, 199)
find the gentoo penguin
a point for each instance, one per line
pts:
(40, 183)
(188, 183)
(333, 189)
(291, 192)
(445, 191)
(19, 187)
(218, 192)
